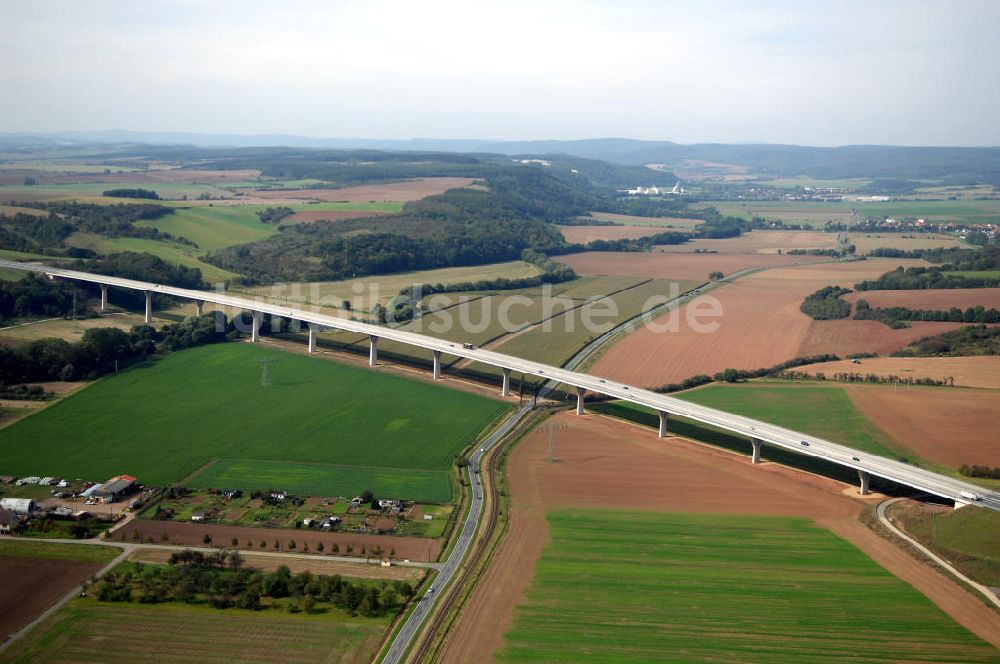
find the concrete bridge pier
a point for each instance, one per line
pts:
(149, 307)
(104, 299)
(373, 350)
(505, 390)
(437, 365)
(255, 326)
(664, 416)
(865, 479)
(755, 443)
(579, 400)
(312, 337)
(199, 307)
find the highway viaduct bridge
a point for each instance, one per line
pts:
(756, 432)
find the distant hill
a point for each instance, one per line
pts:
(957, 165)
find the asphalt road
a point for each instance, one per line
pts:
(448, 569)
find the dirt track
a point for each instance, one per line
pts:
(31, 585)
(602, 463)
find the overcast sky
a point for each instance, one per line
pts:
(918, 73)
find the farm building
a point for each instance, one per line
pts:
(198, 517)
(19, 506)
(115, 489)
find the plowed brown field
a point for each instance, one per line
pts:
(602, 463)
(423, 549)
(975, 371)
(663, 265)
(760, 326)
(409, 190)
(31, 585)
(946, 426)
(937, 298)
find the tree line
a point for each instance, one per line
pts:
(104, 350)
(222, 581)
(825, 304)
(132, 193)
(895, 317)
(969, 340)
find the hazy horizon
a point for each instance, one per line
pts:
(844, 73)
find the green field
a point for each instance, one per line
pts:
(84, 629)
(172, 252)
(163, 421)
(50, 551)
(647, 587)
(323, 479)
(214, 227)
(969, 538)
(820, 410)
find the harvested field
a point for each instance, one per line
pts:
(759, 242)
(950, 427)
(585, 234)
(422, 549)
(136, 178)
(760, 326)
(845, 337)
(865, 243)
(666, 265)
(602, 463)
(315, 564)
(936, 298)
(409, 190)
(675, 223)
(176, 632)
(32, 585)
(305, 216)
(974, 371)
(365, 292)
